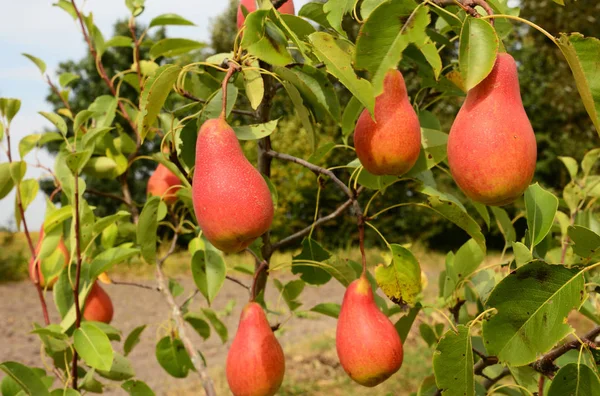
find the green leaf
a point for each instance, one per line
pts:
(255, 131)
(367, 7)
(535, 299)
(272, 190)
(401, 280)
(404, 324)
(81, 118)
(213, 108)
(137, 388)
(175, 288)
(133, 339)
(586, 242)
(77, 161)
(263, 39)
(582, 55)
(119, 41)
(105, 108)
(254, 85)
(146, 230)
(6, 181)
(302, 112)
(433, 150)
(108, 258)
(29, 189)
(478, 50)
(335, 10)
(575, 379)
(483, 212)
(170, 47)
(504, 224)
(216, 323)
(589, 160)
(65, 392)
(337, 56)
(93, 136)
(453, 363)
(309, 273)
(560, 2)
(9, 107)
(25, 377)
(66, 78)
(93, 345)
(156, 89)
(540, 207)
(170, 19)
(522, 254)
(57, 120)
(18, 170)
(120, 370)
(290, 292)
(38, 62)
(208, 271)
(571, 166)
(328, 309)
(172, 356)
(28, 143)
(135, 6)
(199, 324)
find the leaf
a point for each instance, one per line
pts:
(401, 280)
(38, 62)
(156, 89)
(337, 56)
(133, 339)
(28, 189)
(404, 324)
(582, 54)
(199, 324)
(522, 254)
(93, 346)
(254, 85)
(9, 107)
(137, 388)
(467, 259)
(328, 309)
(6, 181)
(453, 363)
(216, 323)
(540, 207)
(433, 150)
(302, 112)
(208, 271)
(589, 160)
(478, 50)
(586, 242)
(57, 120)
(18, 169)
(351, 113)
(25, 377)
(108, 258)
(504, 224)
(571, 166)
(173, 358)
(28, 143)
(120, 370)
(255, 131)
(483, 212)
(263, 39)
(170, 47)
(170, 19)
(575, 379)
(66, 78)
(105, 107)
(146, 230)
(367, 7)
(335, 10)
(309, 273)
(119, 41)
(290, 292)
(535, 299)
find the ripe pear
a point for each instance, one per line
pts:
(286, 8)
(491, 147)
(162, 180)
(98, 306)
(64, 252)
(367, 343)
(255, 362)
(390, 144)
(232, 201)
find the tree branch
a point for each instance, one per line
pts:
(197, 361)
(105, 194)
(492, 381)
(467, 5)
(134, 285)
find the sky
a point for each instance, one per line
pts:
(49, 33)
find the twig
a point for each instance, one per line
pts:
(77, 275)
(107, 195)
(197, 361)
(154, 288)
(491, 382)
(467, 5)
(239, 282)
(189, 95)
(136, 51)
(541, 385)
(455, 310)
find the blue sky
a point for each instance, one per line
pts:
(38, 28)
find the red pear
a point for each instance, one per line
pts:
(286, 8)
(98, 306)
(367, 343)
(255, 362)
(491, 146)
(163, 183)
(390, 144)
(232, 201)
(61, 247)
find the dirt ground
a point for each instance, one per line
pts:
(19, 307)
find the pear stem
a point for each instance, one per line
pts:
(262, 267)
(361, 242)
(233, 67)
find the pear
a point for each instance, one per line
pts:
(367, 343)
(232, 201)
(64, 252)
(161, 181)
(390, 144)
(286, 8)
(255, 362)
(98, 306)
(491, 147)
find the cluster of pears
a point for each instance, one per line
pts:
(492, 150)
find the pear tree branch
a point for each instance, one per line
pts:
(467, 5)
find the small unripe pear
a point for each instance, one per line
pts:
(390, 144)
(164, 183)
(286, 8)
(491, 147)
(255, 362)
(232, 201)
(367, 343)
(98, 306)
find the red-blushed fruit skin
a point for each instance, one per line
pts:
(390, 145)
(286, 8)
(367, 343)
(491, 147)
(232, 201)
(98, 306)
(162, 180)
(255, 362)
(62, 247)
